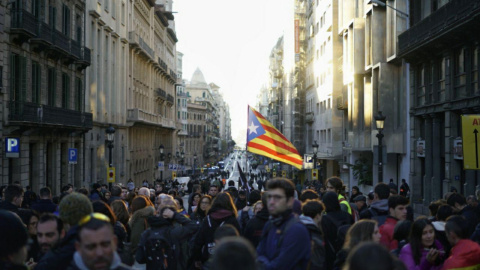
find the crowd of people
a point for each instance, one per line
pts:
(280, 225)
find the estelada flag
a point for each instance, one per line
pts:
(264, 139)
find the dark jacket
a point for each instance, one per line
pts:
(178, 234)
(4, 205)
(471, 217)
(294, 249)
(330, 224)
(61, 257)
(9, 266)
(317, 257)
(254, 228)
(114, 198)
(44, 206)
(380, 207)
(204, 243)
(77, 263)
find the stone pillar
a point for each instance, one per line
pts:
(436, 157)
(428, 160)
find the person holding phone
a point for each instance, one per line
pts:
(423, 252)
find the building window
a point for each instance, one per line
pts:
(52, 86)
(66, 21)
(36, 8)
(421, 86)
(65, 90)
(36, 82)
(431, 99)
(460, 77)
(18, 78)
(475, 56)
(52, 15)
(442, 68)
(79, 94)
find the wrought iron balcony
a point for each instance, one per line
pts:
(27, 113)
(23, 23)
(139, 116)
(76, 49)
(61, 41)
(170, 98)
(160, 93)
(162, 64)
(439, 26)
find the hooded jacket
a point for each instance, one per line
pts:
(464, 255)
(138, 224)
(294, 250)
(44, 206)
(204, 241)
(254, 228)
(380, 207)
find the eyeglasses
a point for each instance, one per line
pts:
(97, 216)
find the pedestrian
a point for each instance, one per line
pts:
(222, 211)
(116, 194)
(200, 212)
(360, 232)
(393, 187)
(378, 209)
(254, 227)
(308, 194)
(30, 219)
(465, 252)
(95, 193)
(193, 202)
(72, 209)
(335, 184)
(360, 203)
(13, 198)
(372, 256)
(13, 242)
(330, 224)
(355, 192)
(404, 188)
(213, 190)
(460, 207)
(312, 211)
(443, 213)
(397, 207)
(96, 245)
(45, 203)
(246, 213)
(285, 243)
(50, 233)
(422, 252)
(142, 208)
(221, 232)
(234, 253)
(401, 233)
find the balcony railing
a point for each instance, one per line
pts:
(146, 48)
(163, 65)
(86, 54)
(161, 93)
(61, 41)
(170, 98)
(138, 115)
(76, 49)
(23, 20)
(32, 113)
(446, 18)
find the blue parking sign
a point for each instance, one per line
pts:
(12, 147)
(72, 155)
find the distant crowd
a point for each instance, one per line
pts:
(272, 223)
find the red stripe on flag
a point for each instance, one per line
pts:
(278, 143)
(270, 128)
(274, 153)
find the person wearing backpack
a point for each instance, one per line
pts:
(285, 243)
(159, 246)
(312, 211)
(397, 207)
(221, 212)
(378, 210)
(332, 223)
(335, 184)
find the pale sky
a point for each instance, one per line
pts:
(230, 41)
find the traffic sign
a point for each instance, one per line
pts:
(12, 147)
(111, 175)
(201, 170)
(284, 173)
(72, 155)
(174, 174)
(471, 142)
(274, 174)
(267, 169)
(315, 174)
(161, 165)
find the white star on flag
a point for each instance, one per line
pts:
(252, 128)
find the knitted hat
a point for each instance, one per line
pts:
(13, 234)
(74, 207)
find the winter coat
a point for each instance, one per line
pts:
(386, 230)
(294, 249)
(8, 206)
(44, 206)
(464, 255)
(178, 234)
(317, 246)
(330, 224)
(198, 216)
(471, 217)
(138, 224)
(406, 256)
(244, 217)
(254, 228)
(380, 207)
(204, 243)
(60, 257)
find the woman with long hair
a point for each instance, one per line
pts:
(422, 252)
(141, 208)
(200, 212)
(193, 202)
(363, 231)
(221, 212)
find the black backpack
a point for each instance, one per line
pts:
(160, 250)
(379, 218)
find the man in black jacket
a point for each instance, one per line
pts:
(312, 211)
(13, 198)
(254, 228)
(45, 204)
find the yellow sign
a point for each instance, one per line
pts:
(268, 169)
(174, 174)
(111, 175)
(315, 174)
(201, 170)
(274, 174)
(471, 142)
(284, 173)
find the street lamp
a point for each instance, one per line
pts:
(162, 157)
(380, 122)
(315, 151)
(110, 139)
(194, 163)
